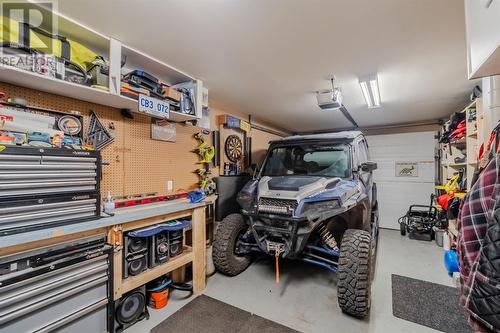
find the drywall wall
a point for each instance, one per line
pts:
(260, 142)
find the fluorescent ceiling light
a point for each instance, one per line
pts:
(366, 93)
(371, 93)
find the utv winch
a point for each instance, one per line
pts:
(313, 200)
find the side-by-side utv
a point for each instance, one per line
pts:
(312, 200)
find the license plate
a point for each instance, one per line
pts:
(154, 106)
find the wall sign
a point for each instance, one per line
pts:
(406, 169)
(154, 107)
(163, 130)
(233, 122)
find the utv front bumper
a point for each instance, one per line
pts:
(292, 232)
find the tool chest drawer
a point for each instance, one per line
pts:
(45, 187)
(64, 289)
(26, 214)
(35, 171)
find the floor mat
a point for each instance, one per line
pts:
(428, 304)
(207, 315)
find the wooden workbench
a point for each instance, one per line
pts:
(125, 220)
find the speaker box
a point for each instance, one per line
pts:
(175, 234)
(135, 255)
(130, 309)
(159, 250)
(175, 248)
(175, 238)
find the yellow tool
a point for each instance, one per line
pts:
(203, 171)
(207, 155)
(207, 185)
(451, 185)
(205, 152)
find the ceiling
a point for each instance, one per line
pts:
(268, 57)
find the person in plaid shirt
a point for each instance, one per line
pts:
(478, 250)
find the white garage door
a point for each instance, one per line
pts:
(413, 152)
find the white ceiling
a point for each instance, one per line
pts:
(267, 57)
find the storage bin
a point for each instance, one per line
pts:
(438, 236)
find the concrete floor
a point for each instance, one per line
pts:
(306, 298)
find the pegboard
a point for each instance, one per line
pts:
(137, 164)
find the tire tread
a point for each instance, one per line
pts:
(224, 258)
(354, 281)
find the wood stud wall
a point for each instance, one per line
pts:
(137, 164)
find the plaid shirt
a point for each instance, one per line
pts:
(476, 212)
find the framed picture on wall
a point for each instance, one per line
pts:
(406, 169)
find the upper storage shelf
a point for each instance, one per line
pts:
(48, 84)
(483, 38)
(119, 59)
(138, 60)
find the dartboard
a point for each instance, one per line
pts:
(233, 148)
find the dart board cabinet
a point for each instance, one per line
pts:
(234, 145)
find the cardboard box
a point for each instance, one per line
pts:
(171, 93)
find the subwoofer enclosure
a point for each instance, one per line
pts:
(135, 255)
(130, 309)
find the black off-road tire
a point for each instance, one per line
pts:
(226, 235)
(402, 229)
(354, 281)
(374, 241)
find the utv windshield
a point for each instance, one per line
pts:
(311, 160)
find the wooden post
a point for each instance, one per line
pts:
(179, 275)
(115, 238)
(199, 249)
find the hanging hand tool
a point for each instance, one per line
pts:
(205, 152)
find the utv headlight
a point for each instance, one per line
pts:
(246, 200)
(321, 206)
(248, 195)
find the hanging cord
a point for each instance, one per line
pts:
(161, 287)
(184, 287)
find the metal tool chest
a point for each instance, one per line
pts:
(42, 187)
(63, 288)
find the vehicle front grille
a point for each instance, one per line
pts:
(277, 206)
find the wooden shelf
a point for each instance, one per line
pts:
(52, 85)
(457, 165)
(136, 281)
(452, 228)
(48, 84)
(467, 145)
(166, 73)
(180, 117)
(461, 141)
(473, 135)
(195, 254)
(471, 105)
